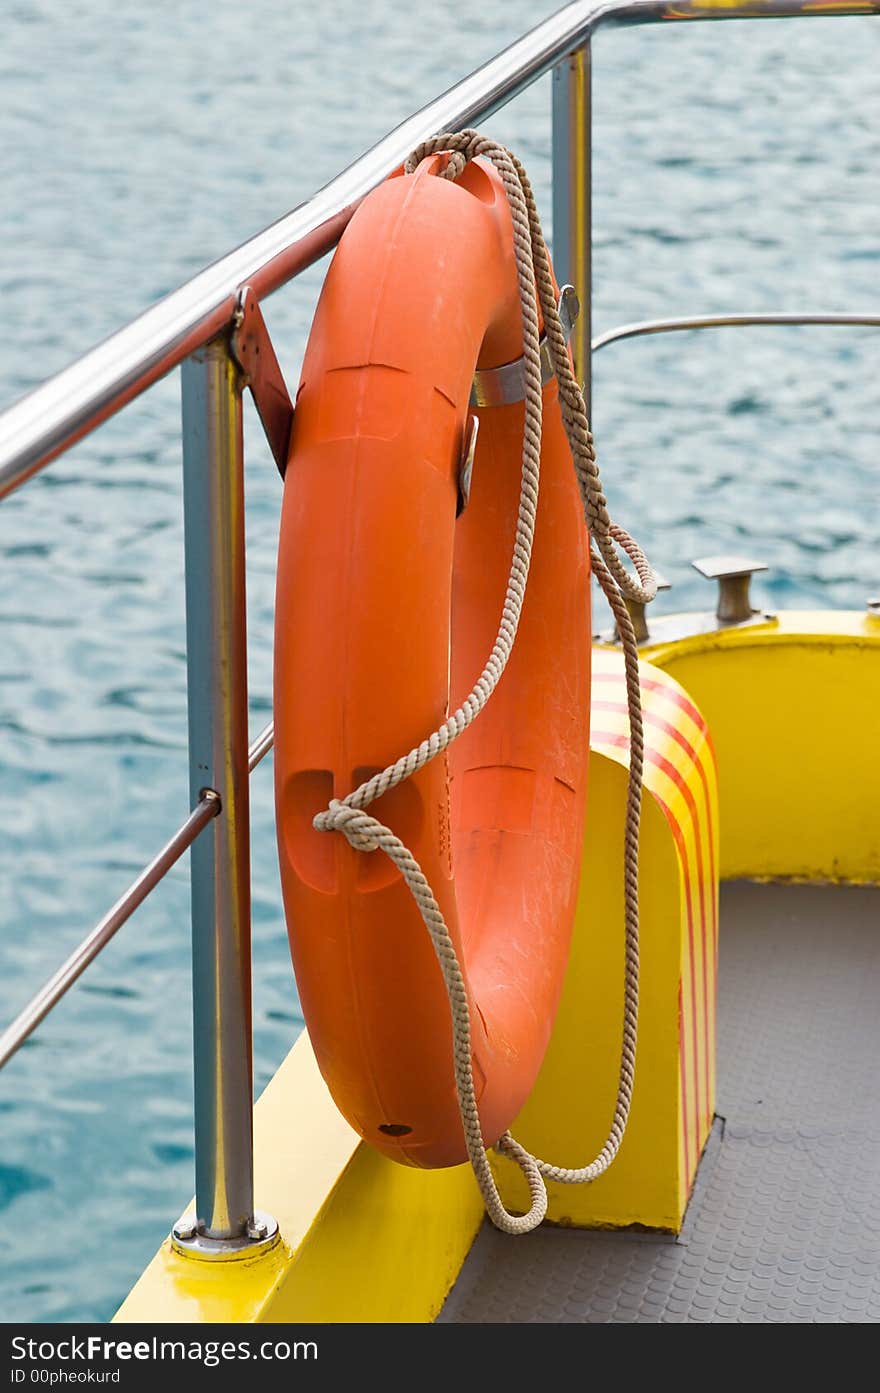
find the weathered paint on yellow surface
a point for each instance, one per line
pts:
(362, 1238)
(792, 706)
(567, 1117)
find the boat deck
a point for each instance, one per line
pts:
(784, 1222)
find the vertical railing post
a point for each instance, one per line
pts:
(213, 491)
(572, 198)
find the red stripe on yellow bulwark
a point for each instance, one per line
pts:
(698, 1011)
(694, 1054)
(651, 718)
(709, 901)
(666, 687)
(699, 1124)
(682, 1089)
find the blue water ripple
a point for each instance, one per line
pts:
(735, 168)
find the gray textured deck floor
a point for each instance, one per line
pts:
(784, 1222)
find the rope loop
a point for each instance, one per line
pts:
(365, 833)
(357, 827)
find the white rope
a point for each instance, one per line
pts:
(366, 833)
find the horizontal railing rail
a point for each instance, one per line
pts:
(61, 981)
(208, 806)
(645, 327)
(191, 328)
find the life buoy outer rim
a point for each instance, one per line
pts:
(372, 563)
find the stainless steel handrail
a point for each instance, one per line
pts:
(50, 994)
(645, 327)
(191, 326)
(261, 746)
(69, 405)
(42, 1002)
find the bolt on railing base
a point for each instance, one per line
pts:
(262, 1235)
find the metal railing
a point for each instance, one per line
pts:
(646, 327)
(192, 327)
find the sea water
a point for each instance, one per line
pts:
(737, 167)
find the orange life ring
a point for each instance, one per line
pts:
(387, 607)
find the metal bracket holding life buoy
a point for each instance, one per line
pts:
(500, 386)
(253, 352)
(466, 468)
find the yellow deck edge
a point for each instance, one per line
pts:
(362, 1238)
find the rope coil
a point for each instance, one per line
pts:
(366, 833)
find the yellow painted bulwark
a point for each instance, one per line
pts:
(792, 706)
(362, 1238)
(567, 1117)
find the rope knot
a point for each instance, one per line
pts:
(460, 146)
(359, 829)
